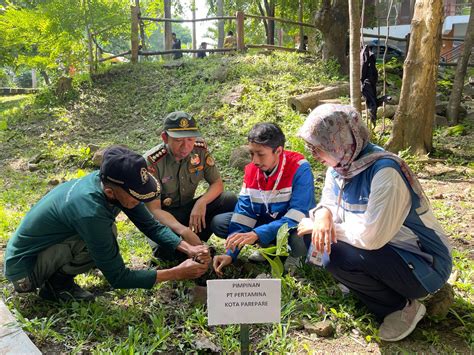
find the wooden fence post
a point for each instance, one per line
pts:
(193, 5)
(300, 19)
(134, 33)
(240, 31)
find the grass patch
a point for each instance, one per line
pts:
(125, 104)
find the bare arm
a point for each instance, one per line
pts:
(197, 219)
(170, 221)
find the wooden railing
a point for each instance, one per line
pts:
(239, 18)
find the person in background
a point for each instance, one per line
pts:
(374, 222)
(229, 40)
(278, 188)
(176, 45)
(71, 230)
(202, 50)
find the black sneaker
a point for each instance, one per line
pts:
(72, 293)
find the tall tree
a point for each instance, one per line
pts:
(413, 123)
(354, 53)
(461, 68)
(268, 9)
(333, 22)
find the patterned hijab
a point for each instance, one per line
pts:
(339, 131)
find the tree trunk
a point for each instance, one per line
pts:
(270, 9)
(461, 68)
(45, 77)
(168, 30)
(220, 24)
(333, 22)
(354, 52)
(413, 124)
(193, 10)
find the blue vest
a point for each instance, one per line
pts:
(426, 254)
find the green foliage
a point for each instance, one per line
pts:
(125, 104)
(272, 254)
(411, 160)
(456, 131)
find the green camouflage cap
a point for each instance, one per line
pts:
(179, 124)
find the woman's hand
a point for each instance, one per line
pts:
(324, 230)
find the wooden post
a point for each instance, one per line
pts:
(193, 5)
(134, 36)
(300, 19)
(90, 50)
(354, 54)
(142, 26)
(240, 31)
(280, 37)
(168, 30)
(220, 24)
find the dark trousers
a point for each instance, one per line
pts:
(225, 202)
(298, 246)
(379, 278)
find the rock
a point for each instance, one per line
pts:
(220, 74)
(232, 97)
(468, 90)
(389, 111)
(37, 158)
(173, 65)
(263, 276)
(441, 108)
(203, 343)
(93, 148)
(198, 295)
(33, 167)
(394, 100)
(437, 306)
(323, 329)
(439, 196)
(240, 157)
(441, 121)
(53, 182)
(97, 157)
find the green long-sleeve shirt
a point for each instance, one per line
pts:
(79, 207)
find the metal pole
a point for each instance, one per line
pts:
(244, 339)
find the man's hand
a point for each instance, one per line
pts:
(188, 235)
(324, 231)
(220, 262)
(197, 219)
(189, 269)
(200, 253)
(238, 240)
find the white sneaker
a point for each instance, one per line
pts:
(256, 256)
(400, 324)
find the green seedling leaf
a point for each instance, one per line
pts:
(282, 240)
(276, 265)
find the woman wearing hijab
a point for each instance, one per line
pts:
(374, 222)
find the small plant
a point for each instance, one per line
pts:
(272, 254)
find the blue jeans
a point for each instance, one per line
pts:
(379, 278)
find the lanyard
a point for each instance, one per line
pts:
(266, 199)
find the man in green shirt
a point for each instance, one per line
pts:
(71, 229)
(179, 164)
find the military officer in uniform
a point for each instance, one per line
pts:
(179, 163)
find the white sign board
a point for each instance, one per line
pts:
(243, 301)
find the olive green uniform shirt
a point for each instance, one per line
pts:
(179, 179)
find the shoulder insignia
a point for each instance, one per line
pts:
(157, 155)
(200, 144)
(210, 160)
